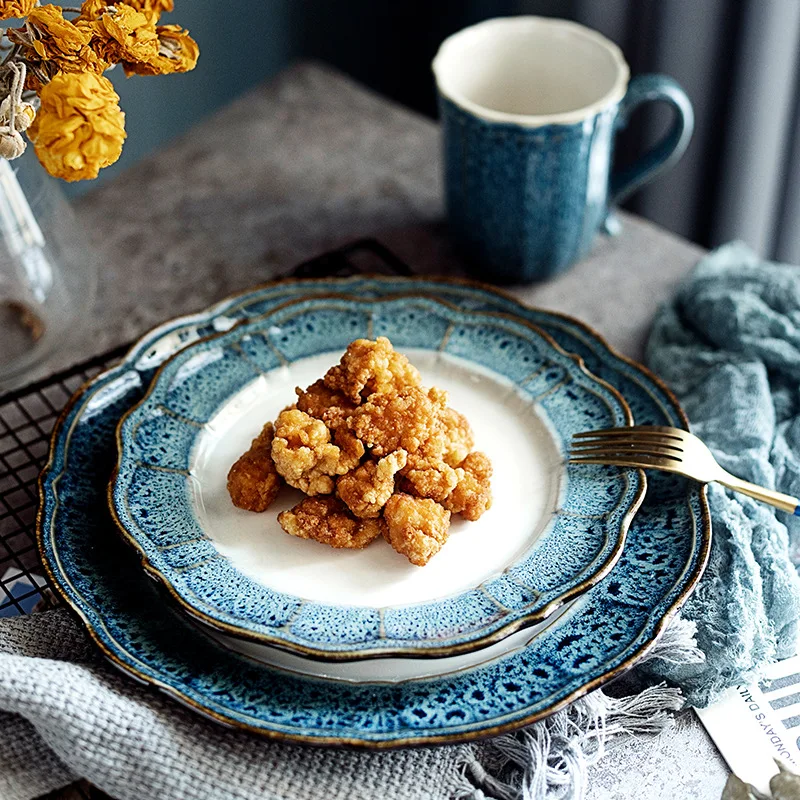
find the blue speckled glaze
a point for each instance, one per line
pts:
(153, 504)
(101, 579)
(526, 202)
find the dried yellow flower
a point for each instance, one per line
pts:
(10, 9)
(156, 6)
(177, 52)
(79, 128)
(92, 9)
(121, 33)
(54, 44)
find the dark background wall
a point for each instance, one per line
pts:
(385, 45)
(389, 45)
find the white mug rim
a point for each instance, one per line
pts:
(611, 97)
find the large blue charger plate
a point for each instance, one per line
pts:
(101, 579)
(557, 555)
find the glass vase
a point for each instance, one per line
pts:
(47, 273)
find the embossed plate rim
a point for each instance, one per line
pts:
(346, 651)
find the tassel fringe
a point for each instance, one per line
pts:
(550, 760)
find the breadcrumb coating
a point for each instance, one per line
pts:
(352, 450)
(366, 489)
(305, 456)
(327, 520)
(324, 403)
(253, 481)
(428, 477)
(403, 420)
(458, 437)
(369, 367)
(473, 493)
(415, 527)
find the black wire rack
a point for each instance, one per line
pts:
(27, 418)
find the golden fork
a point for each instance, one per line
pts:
(671, 450)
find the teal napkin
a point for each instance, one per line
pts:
(729, 347)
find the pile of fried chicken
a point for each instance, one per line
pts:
(376, 453)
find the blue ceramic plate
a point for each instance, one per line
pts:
(101, 579)
(552, 531)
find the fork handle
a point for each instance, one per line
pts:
(785, 502)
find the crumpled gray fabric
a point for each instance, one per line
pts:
(729, 346)
(134, 743)
(66, 714)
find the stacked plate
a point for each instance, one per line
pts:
(563, 584)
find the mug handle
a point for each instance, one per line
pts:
(644, 89)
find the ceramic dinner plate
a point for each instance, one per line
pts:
(604, 633)
(551, 533)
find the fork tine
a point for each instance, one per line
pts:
(638, 462)
(663, 429)
(612, 452)
(625, 446)
(633, 436)
(635, 431)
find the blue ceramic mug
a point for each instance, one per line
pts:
(530, 107)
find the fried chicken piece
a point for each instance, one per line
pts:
(327, 520)
(430, 472)
(458, 436)
(430, 477)
(473, 493)
(369, 367)
(403, 420)
(366, 489)
(351, 449)
(253, 481)
(305, 456)
(415, 527)
(324, 403)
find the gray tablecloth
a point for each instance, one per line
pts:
(66, 713)
(74, 709)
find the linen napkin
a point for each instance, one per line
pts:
(729, 346)
(83, 719)
(65, 713)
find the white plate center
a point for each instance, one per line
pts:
(509, 428)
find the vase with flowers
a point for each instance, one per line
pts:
(55, 96)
